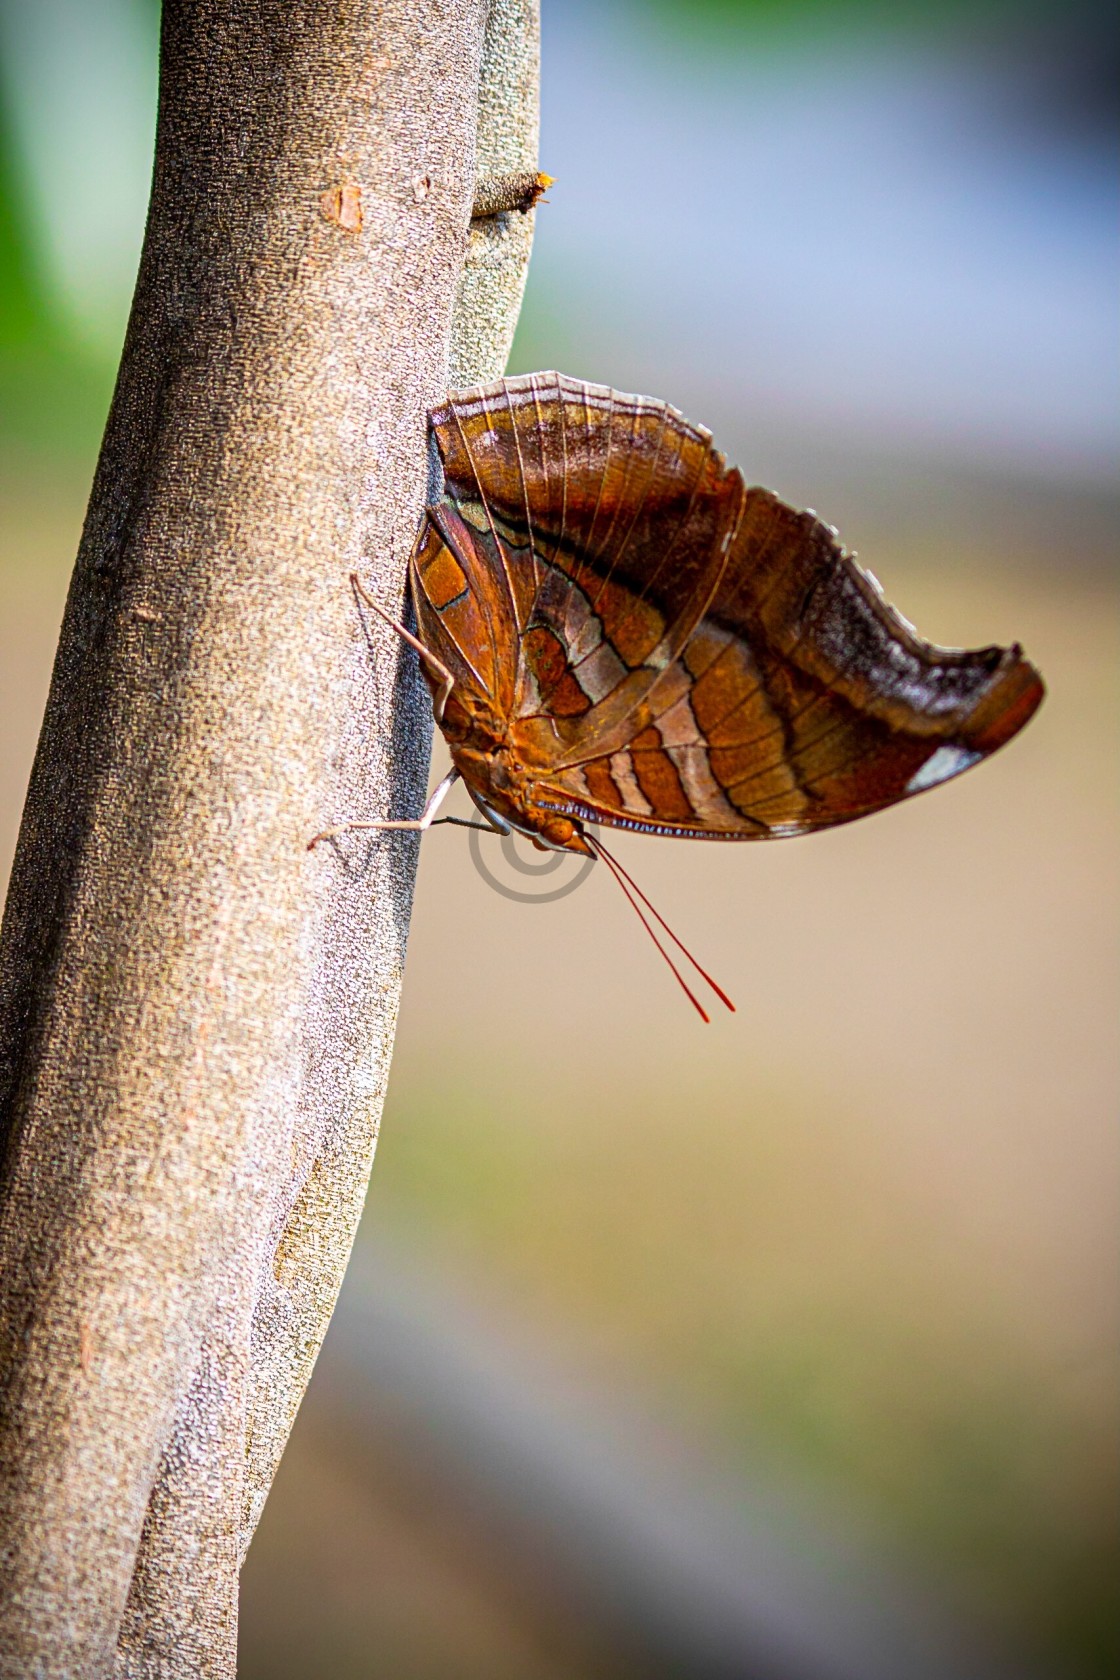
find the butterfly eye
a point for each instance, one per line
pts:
(557, 831)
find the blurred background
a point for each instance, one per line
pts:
(784, 1346)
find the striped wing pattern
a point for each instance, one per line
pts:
(669, 650)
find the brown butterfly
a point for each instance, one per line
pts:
(616, 630)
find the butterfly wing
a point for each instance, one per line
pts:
(692, 657)
(591, 509)
(464, 614)
(801, 700)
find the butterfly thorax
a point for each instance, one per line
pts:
(497, 777)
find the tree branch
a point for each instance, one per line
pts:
(196, 1014)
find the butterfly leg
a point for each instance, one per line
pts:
(422, 822)
(447, 681)
(463, 822)
(494, 824)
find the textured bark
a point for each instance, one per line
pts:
(196, 1013)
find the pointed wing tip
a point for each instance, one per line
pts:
(1008, 706)
(1015, 694)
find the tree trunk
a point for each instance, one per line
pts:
(196, 1012)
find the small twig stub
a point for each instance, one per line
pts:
(496, 194)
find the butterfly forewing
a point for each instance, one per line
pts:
(615, 517)
(667, 650)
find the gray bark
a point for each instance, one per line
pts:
(196, 1012)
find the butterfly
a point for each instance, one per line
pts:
(618, 631)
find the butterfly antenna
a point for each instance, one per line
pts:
(680, 979)
(681, 946)
(633, 892)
